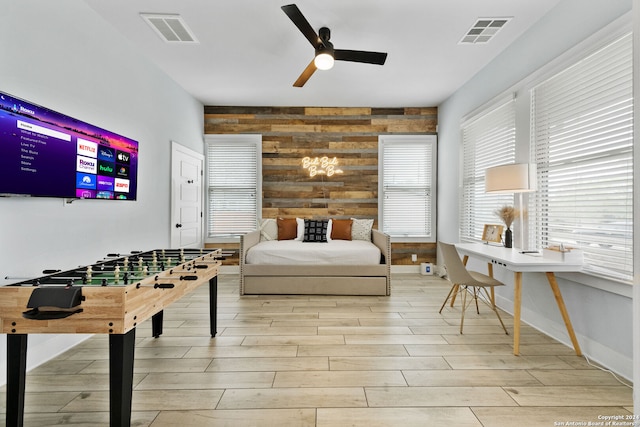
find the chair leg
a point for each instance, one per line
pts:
(453, 298)
(475, 297)
(464, 306)
(495, 310)
(453, 288)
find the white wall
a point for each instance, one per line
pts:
(52, 55)
(601, 318)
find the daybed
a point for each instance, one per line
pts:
(336, 267)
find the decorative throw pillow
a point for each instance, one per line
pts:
(341, 229)
(361, 229)
(315, 230)
(268, 229)
(287, 228)
(300, 230)
(329, 230)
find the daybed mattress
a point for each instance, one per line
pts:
(296, 252)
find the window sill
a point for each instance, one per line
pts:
(400, 239)
(222, 239)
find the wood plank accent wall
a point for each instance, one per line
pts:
(350, 134)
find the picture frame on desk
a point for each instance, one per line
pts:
(492, 233)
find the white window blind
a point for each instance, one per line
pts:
(407, 186)
(582, 128)
(488, 140)
(233, 194)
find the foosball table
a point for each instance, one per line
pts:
(112, 296)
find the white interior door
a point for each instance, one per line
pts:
(186, 197)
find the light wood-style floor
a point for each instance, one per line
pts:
(330, 361)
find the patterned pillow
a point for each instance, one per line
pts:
(268, 229)
(315, 230)
(287, 228)
(361, 229)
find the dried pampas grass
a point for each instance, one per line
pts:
(507, 214)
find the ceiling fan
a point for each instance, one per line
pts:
(325, 53)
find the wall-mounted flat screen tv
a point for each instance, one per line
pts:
(48, 154)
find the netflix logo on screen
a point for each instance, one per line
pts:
(87, 148)
(85, 164)
(122, 185)
(123, 157)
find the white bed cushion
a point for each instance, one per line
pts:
(294, 252)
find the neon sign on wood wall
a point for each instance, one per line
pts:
(321, 166)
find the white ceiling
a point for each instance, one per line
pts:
(250, 53)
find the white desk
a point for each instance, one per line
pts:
(513, 260)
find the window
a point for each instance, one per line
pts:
(233, 184)
(582, 141)
(407, 176)
(488, 140)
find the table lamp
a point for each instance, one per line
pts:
(512, 178)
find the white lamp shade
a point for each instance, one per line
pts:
(513, 178)
(323, 61)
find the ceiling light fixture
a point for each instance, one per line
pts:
(324, 51)
(324, 61)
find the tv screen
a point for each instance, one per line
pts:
(48, 154)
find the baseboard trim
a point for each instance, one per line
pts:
(619, 364)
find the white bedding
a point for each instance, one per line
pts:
(295, 252)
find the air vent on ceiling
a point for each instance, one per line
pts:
(484, 30)
(170, 28)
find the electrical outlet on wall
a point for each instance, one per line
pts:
(414, 257)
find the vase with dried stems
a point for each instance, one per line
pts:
(507, 214)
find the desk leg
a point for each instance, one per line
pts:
(16, 371)
(563, 311)
(121, 354)
(493, 289)
(517, 304)
(213, 305)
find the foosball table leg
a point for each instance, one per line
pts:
(16, 371)
(121, 354)
(156, 324)
(213, 305)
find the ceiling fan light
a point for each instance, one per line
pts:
(323, 61)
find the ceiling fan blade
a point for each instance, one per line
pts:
(308, 72)
(303, 25)
(360, 56)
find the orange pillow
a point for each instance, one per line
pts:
(287, 228)
(341, 229)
